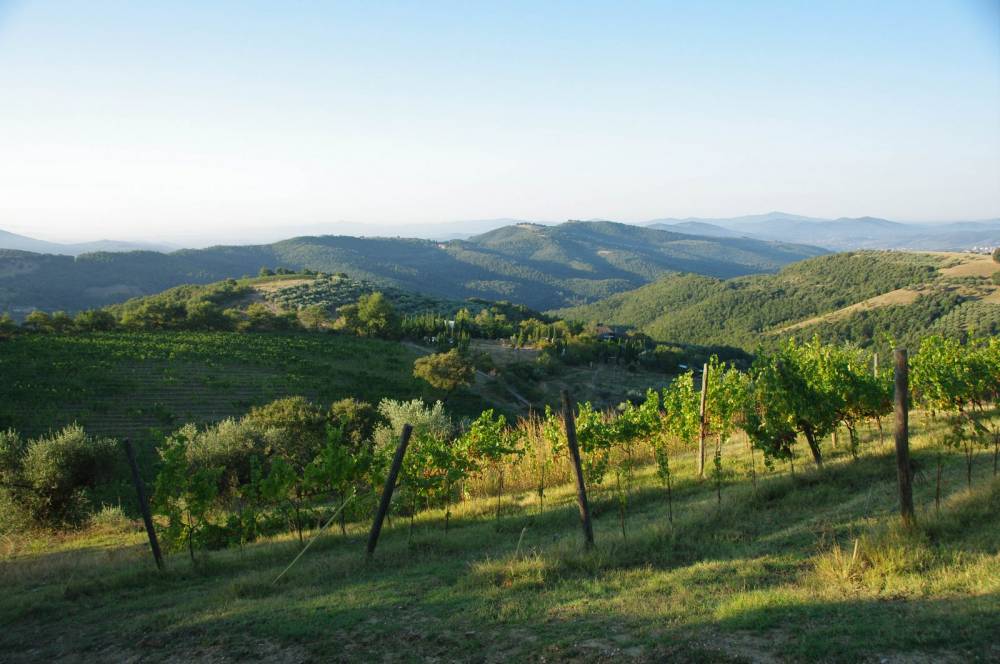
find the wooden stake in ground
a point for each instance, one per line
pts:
(903, 470)
(140, 492)
(574, 453)
(390, 485)
(701, 415)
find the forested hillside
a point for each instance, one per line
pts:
(856, 296)
(539, 266)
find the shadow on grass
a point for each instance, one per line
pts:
(737, 571)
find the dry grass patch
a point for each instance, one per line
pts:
(972, 265)
(280, 284)
(896, 297)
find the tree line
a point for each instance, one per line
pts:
(226, 306)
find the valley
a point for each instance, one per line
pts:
(539, 266)
(263, 408)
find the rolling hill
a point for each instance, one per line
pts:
(289, 293)
(858, 296)
(539, 266)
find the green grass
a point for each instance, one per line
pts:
(770, 576)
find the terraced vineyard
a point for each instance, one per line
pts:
(129, 383)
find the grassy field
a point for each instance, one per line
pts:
(806, 567)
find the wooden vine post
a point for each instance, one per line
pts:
(140, 492)
(574, 453)
(902, 412)
(702, 420)
(390, 485)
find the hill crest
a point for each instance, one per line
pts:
(540, 266)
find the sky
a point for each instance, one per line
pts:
(183, 121)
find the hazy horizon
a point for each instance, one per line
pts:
(432, 230)
(170, 124)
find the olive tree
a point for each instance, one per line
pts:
(445, 371)
(50, 479)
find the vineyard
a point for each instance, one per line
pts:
(763, 501)
(125, 383)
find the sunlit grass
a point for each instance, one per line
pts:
(810, 567)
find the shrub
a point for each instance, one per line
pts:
(112, 519)
(445, 371)
(292, 428)
(49, 478)
(231, 445)
(184, 495)
(430, 420)
(357, 420)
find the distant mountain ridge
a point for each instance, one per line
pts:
(844, 233)
(840, 234)
(17, 242)
(539, 266)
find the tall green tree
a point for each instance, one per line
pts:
(376, 315)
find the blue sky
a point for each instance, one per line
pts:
(181, 120)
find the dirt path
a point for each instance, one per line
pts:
(423, 350)
(510, 390)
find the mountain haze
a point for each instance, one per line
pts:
(17, 242)
(844, 234)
